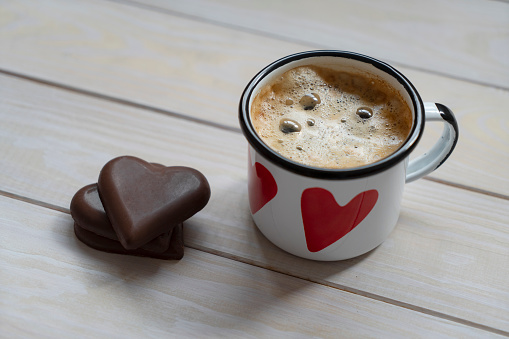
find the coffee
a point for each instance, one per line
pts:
(331, 119)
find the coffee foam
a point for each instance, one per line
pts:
(338, 136)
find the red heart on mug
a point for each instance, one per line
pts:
(325, 221)
(262, 187)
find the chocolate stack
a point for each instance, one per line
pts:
(138, 208)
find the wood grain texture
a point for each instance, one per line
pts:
(447, 256)
(199, 70)
(466, 40)
(54, 286)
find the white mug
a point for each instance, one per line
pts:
(335, 214)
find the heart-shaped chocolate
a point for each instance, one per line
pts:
(88, 213)
(142, 199)
(175, 250)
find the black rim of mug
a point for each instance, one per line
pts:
(329, 173)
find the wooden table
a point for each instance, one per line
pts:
(82, 82)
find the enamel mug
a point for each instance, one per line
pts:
(335, 214)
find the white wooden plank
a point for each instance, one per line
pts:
(445, 255)
(467, 40)
(199, 70)
(52, 286)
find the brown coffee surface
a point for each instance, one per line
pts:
(330, 119)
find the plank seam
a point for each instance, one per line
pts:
(34, 202)
(120, 101)
(468, 188)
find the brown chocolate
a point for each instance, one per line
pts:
(175, 249)
(142, 199)
(88, 212)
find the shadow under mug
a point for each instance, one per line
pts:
(335, 214)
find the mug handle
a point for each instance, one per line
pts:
(431, 160)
